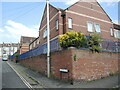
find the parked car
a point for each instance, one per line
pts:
(5, 57)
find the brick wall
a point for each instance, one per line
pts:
(38, 63)
(61, 60)
(86, 66)
(90, 66)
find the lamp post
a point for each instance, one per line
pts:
(48, 41)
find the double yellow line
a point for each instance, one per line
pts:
(24, 81)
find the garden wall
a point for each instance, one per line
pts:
(90, 66)
(82, 64)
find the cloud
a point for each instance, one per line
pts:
(12, 31)
(1, 30)
(71, 2)
(108, 1)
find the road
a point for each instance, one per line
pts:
(0, 74)
(9, 78)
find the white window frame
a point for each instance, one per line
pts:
(70, 23)
(57, 25)
(111, 31)
(89, 28)
(115, 33)
(34, 44)
(98, 31)
(118, 34)
(30, 46)
(45, 33)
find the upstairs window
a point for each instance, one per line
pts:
(34, 44)
(97, 28)
(117, 34)
(38, 41)
(45, 33)
(90, 26)
(70, 23)
(111, 31)
(57, 25)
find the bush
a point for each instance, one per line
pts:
(17, 57)
(78, 40)
(72, 39)
(94, 42)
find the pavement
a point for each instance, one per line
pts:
(38, 80)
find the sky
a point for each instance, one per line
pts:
(22, 17)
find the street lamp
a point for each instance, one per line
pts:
(48, 41)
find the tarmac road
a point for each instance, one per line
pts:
(9, 77)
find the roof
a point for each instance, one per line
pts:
(26, 39)
(97, 3)
(33, 40)
(116, 26)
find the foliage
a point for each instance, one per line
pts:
(94, 42)
(78, 39)
(72, 39)
(75, 57)
(17, 55)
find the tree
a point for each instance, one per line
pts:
(17, 57)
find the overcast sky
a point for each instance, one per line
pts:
(22, 17)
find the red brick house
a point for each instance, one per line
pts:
(24, 43)
(85, 17)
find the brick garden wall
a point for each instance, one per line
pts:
(82, 64)
(59, 60)
(38, 63)
(90, 66)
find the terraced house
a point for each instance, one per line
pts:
(85, 17)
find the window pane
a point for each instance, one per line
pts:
(34, 43)
(90, 26)
(119, 34)
(111, 31)
(45, 34)
(69, 22)
(115, 33)
(56, 24)
(31, 46)
(97, 28)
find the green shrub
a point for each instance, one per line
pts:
(17, 57)
(78, 40)
(94, 42)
